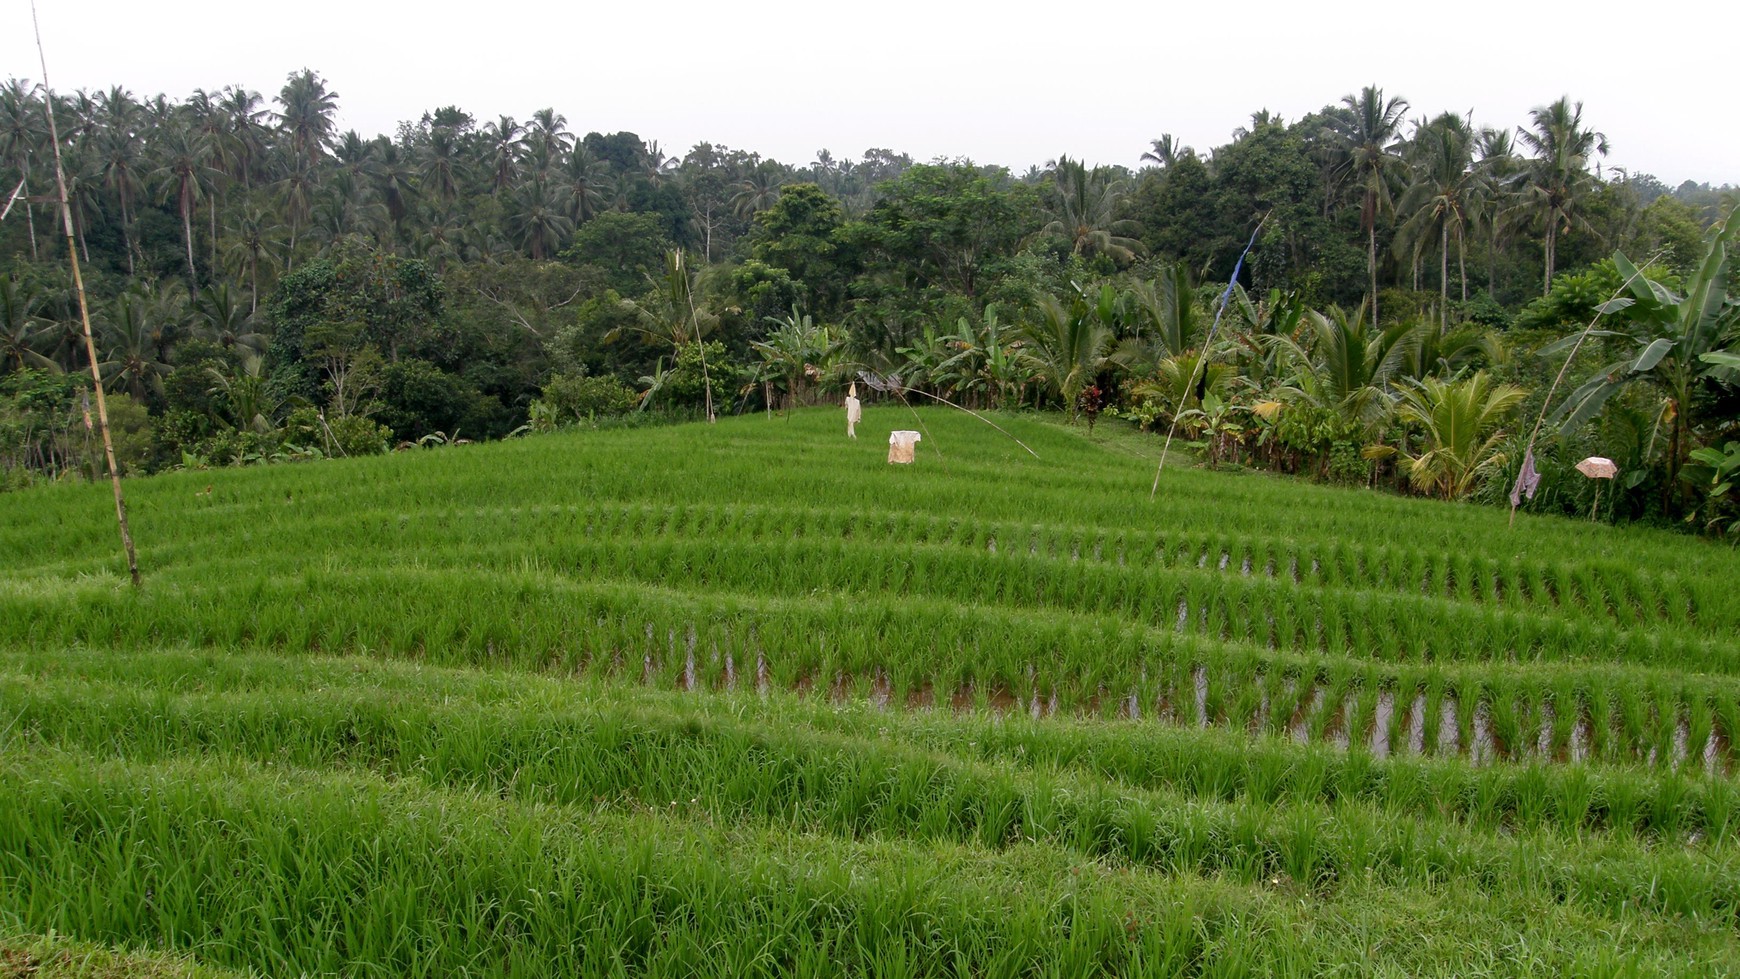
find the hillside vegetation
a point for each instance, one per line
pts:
(745, 700)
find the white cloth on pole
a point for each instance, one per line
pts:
(854, 415)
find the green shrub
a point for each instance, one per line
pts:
(576, 396)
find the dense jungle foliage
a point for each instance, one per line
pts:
(267, 288)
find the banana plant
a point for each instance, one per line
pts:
(1676, 346)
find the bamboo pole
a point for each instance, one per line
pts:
(84, 307)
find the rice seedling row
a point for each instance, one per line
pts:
(1042, 726)
(311, 871)
(590, 742)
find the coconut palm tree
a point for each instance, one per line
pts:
(1495, 188)
(223, 321)
(545, 136)
(21, 137)
(1555, 183)
(132, 347)
(20, 328)
(757, 191)
(506, 143)
(245, 132)
(441, 164)
(1085, 212)
(1371, 145)
(253, 237)
(1164, 314)
(1459, 425)
(1166, 150)
(206, 115)
(308, 114)
(536, 220)
(121, 159)
(671, 315)
(1441, 200)
(296, 196)
(583, 183)
(252, 403)
(182, 175)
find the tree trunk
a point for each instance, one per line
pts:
(1444, 279)
(1552, 239)
(29, 216)
(1462, 260)
(1371, 262)
(187, 236)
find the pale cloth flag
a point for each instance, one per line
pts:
(1526, 481)
(854, 411)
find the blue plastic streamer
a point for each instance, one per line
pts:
(1207, 345)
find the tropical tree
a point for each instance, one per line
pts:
(1164, 315)
(504, 137)
(1555, 183)
(537, 221)
(307, 114)
(757, 191)
(441, 164)
(223, 321)
(20, 328)
(1459, 426)
(184, 177)
(132, 348)
(1495, 179)
(245, 133)
(253, 405)
(1441, 200)
(584, 180)
(1676, 344)
(670, 315)
(1347, 367)
(1371, 157)
(252, 238)
(1084, 212)
(121, 160)
(987, 360)
(21, 137)
(798, 351)
(1067, 343)
(1166, 150)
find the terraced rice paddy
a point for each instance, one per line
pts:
(746, 700)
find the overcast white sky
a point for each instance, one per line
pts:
(1010, 83)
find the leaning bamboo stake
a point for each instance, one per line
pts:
(84, 307)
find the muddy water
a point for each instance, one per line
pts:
(1383, 715)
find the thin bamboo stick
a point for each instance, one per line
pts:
(84, 307)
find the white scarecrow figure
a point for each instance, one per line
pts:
(854, 411)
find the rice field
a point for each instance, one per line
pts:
(746, 700)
